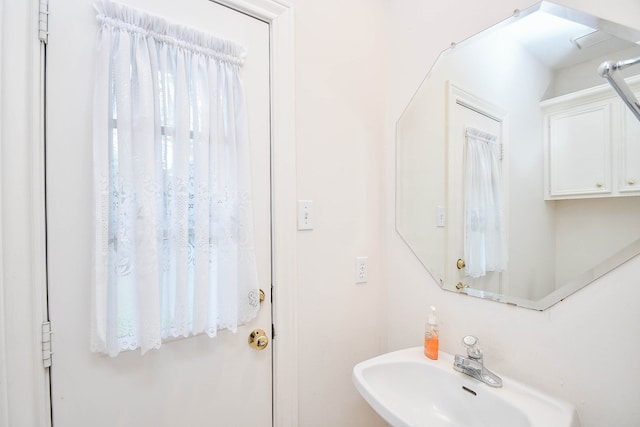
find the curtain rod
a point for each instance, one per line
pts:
(609, 70)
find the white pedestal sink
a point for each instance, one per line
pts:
(409, 390)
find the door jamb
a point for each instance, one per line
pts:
(279, 15)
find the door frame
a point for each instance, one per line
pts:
(24, 383)
(4, 394)
(279, 15)
(25, 396)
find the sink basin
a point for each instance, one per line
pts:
(409, 390)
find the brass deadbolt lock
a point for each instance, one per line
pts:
(258, 339)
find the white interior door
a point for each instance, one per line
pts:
(463, 118)
(190, 382)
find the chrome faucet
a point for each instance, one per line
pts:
(473, 365)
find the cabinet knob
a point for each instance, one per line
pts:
(599, 184)
(631, 182)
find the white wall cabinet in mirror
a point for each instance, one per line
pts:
(530, 62)
(591, 145)
(629, 177)
(578, 142)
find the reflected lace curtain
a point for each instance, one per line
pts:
(484, 227)
(174, 250)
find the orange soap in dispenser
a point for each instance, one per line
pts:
(431, 335)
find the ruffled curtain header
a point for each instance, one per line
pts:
(120, 17)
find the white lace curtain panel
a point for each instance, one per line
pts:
(174, 247)
(484, 227)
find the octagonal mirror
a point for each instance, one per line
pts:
(549, 200)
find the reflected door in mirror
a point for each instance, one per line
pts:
(465, 117)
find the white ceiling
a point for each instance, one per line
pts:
(549, 38)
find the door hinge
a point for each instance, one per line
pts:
(46, 344)
(43, 21)
(273, 331)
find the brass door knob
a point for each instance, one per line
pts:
(460, 286)
(460, 264)
(258, 339)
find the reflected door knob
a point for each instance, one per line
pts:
(258, 339)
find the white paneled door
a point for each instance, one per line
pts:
(190, 382)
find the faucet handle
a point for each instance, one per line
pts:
(471, 345)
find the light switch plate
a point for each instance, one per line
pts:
(441, 216)
(305, 215)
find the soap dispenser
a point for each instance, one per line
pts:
(431, 335)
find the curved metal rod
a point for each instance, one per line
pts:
(609, 70)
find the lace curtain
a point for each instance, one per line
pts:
(174, 250)
(484, 227)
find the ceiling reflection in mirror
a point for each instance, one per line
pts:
(517, 74)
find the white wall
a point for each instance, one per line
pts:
(587, 218)
(340, 127)
(576, 349)
(581, 76)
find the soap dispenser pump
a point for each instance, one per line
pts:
(431, 335)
